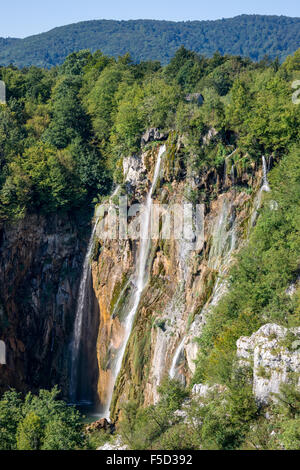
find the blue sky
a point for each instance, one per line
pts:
(20, 18)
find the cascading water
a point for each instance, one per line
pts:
(176, 357)
(257, 200)
(139, 282)
(82, 306)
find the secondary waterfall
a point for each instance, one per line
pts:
(81, 310)
(139, 281)
(81, 303)
(174, 365)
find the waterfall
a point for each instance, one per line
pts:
(173, 368)
(265, 186)
(140, 279)
(81, 304)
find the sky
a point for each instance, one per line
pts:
(21, 18)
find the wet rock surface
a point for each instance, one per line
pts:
(40, 267)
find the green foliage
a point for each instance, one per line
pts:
(42, 179)
(10, 416)
(96, 439)
(68, 117)
(220, 421)
(224, 419)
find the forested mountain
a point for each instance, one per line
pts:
(251, 36)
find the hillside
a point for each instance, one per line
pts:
(251, 36)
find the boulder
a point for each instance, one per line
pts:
(274, 353)
(211, 133)
(102, 423)
(133, 169)
(202, 390)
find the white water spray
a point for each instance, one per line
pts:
(140, 278)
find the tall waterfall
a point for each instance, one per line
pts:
(140, 279)
(81, 304)
(81, 311)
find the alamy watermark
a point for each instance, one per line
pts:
(153, 221)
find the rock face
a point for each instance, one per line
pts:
(133, 169)
(202, 390)
(40, 268)
(274, 353)
(184, 282)
(196, 97)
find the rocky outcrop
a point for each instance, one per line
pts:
(195, 97)
(134, 171)
(100, 424)
(204, 390)
(274, 354)
(211, 133)
(40, 268)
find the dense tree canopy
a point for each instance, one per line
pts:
(63, 135)
(64, 132)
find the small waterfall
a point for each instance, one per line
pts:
(140, 279)
(176, 357)
(81, 304)
(265, 186)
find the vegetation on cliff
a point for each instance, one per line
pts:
(259, 280)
